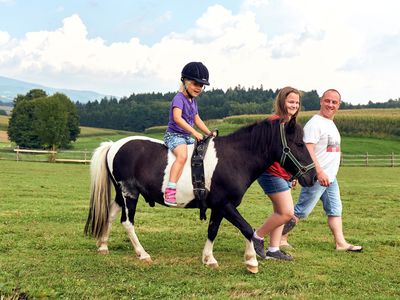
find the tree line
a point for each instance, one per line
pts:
(140, 111)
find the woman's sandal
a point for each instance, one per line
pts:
(352, 248)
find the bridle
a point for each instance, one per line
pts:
(286, 152)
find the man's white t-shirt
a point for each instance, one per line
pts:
(324, 134)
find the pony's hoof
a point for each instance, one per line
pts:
(103, 251)
(147, 260)
(212, 266)
(252, 269)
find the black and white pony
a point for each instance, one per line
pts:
(140, 165)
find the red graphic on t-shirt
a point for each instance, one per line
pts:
(333, 146)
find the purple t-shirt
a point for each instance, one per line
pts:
(189, 111)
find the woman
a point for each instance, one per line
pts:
(276, 185)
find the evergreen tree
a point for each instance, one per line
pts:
(310, 100)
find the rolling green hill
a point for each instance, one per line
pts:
(376, 131)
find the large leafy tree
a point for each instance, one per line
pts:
(41, 121)
(21, 120)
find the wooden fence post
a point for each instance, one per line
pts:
(53, 153)
(392, 159)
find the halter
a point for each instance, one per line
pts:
(286, 152)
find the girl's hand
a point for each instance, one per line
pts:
(198, 136)
(214, 133)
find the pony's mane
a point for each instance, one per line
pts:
(260, 134)
(244, 129)
(299, 133)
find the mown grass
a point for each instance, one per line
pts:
(44, 254)
(375, 146)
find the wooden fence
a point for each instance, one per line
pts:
(65, 156)
(369, 160)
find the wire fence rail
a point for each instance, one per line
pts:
(69, 156)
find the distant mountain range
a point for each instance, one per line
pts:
(10, 88)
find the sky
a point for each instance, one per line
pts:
(122, 47)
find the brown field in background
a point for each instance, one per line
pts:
(3, 136)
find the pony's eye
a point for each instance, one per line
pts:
(300, 144)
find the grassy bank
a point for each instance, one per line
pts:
(44, 254)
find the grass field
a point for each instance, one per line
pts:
(44, 254)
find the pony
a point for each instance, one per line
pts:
(139, 165)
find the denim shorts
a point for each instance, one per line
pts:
(272, 184)
(309, 196)
(173, 139)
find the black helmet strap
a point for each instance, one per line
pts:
(186, 89)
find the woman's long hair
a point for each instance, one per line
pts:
(279, 104)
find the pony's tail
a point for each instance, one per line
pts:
(100, 192)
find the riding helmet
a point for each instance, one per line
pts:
(196, 71)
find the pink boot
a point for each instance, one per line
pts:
(169, 197)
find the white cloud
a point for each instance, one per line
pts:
(340, 50)
(308, 44)
(4, 37)
(165, 17)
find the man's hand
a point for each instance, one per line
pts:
(323, 179)
(294, 184)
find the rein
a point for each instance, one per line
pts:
(286, 152)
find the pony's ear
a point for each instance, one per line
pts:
(291, 126)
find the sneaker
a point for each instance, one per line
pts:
(258, 246)
(169, 197)
(289, 226)
(278, 255)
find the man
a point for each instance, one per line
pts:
(322, 140)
